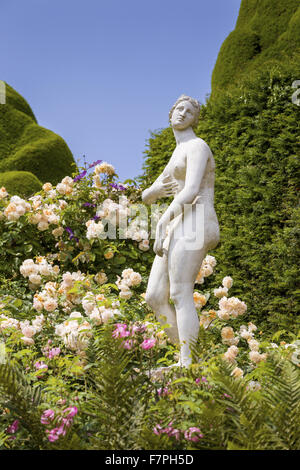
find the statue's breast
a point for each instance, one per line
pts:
(179, 166)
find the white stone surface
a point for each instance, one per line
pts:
(187, 229)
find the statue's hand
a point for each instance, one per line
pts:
(166, 187)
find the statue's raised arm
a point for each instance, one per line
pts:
(163, 186)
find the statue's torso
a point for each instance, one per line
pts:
(176, 168)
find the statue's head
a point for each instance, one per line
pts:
(184, 113)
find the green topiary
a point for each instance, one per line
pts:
(267, 32)
(25, 146)
(17, 101)
(22, 183)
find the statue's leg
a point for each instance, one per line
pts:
(183, 268)
(158, 294)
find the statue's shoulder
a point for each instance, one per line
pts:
(200, 144)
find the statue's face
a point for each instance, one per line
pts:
(183, 115)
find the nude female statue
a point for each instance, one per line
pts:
(189, 176)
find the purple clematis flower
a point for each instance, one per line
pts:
(80, 176)
(84, 172)
(119, 187)
(95, 163)
(71, 233)
(88, 204)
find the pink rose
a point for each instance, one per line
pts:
(148, 343)
(47, 416)
(193, 434)
(12, 429)
(174, 433)
(41, 365)
(121, 331)
(52, 436)
(157, 430)
(128, 344)
(53, 352)
(73, 410)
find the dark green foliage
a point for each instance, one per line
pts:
(22, 183)
(267, 32)
(25, 146)
(253, 131)
(161, 145)
(17, 244)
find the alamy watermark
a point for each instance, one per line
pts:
(2, 92)
(186, 223)
(295, 99)
(2, 353)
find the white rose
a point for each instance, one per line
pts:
(45, 269)
(253, 345)
(223, 315)
(135, 279)
(43, 225)
(50, 305)
(210, 260)
(100, 278)
(237, 372)
(28, 331)
(35, 279)
(27, 340)
(125, 294)
(245, 334)
(107, 314)
(144, 245)
(75, 315)
(221, 292)
(96, 317)
(227, 282)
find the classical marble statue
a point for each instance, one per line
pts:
(186, 230)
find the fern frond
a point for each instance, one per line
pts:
(120, 395)
(268, 419)
(22, 400)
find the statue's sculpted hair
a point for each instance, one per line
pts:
(196, 106)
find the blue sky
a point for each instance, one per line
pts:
(103, 74)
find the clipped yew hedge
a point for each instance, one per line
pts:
(27, 147)
(266, 32)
